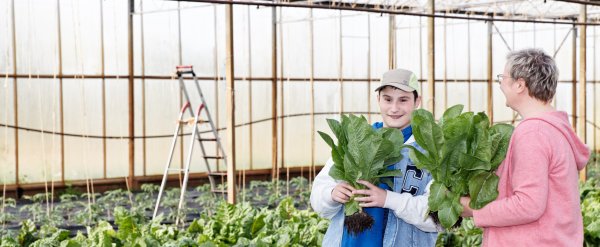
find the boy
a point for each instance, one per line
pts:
(538, 202)
(399, 214)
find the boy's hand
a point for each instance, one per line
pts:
(342, 192)
(373, 196)
(467, 211)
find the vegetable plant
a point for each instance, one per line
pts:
(462, 152)
(362, 153)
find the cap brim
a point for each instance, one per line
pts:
(396, 85)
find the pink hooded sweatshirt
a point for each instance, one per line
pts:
(538, 202)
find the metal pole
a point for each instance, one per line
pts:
(595, 97)
(60, 96)
(445, 67)
(281, 79)
(216, 79)
(103, 87)
(582, 83)
(341, 68)
(131, 95)
(274, 92)
(15, 94)
(392, 44)
(230, 105)
(181, 183)
(143, 58)
(431, 60)
(490, 102)
(249, 91)
(574, 80)
(312, 98)
(469, 64)
(368, 68)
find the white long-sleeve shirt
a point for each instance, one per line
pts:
(411, 209)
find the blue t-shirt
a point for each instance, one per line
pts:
(374, 235)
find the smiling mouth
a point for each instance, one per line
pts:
(395, 117)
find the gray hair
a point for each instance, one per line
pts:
(537, 69)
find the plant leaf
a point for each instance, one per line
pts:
(483, 188)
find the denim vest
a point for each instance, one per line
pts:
(414, 181)
(397, 232)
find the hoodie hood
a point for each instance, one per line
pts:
(560, 121)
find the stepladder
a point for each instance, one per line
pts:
(198, 115)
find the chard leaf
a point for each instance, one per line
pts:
(481, 145)
(427, 133)
(472, 163)
(450, 211)
(337, 173)
(389, 173)
(451, 113)
(423, 161)
(461, 152)
(499, 150)
(362, 153)
(483, 188)
(351, 207)
(388, 181)
(437, 196)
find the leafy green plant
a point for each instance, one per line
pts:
(590, 210)
(362, 153)
(5, 215)
(462, 152)
(68, 205)
(467, 235)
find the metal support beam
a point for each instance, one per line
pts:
(131, 95)
(469, 108)
(230, 106)
(60, 95)
(312, 98)
(102, 70)
(574, 79)
(431, 58)
(392, 44)
(582, 83)
(490, 77)
(15, 93)
(143, 64)
(274, 92)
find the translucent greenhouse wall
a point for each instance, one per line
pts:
(345, 53)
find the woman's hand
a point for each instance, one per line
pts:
(342, 192)
(467, 211)
(372, 197)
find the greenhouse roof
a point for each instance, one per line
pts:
(544, 11)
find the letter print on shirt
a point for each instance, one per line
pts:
(416, 174)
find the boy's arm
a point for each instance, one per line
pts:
(412, 209)
(320, 196)
(529, 183)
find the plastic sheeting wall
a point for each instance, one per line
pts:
(346, 54)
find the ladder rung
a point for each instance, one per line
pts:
(177, 169)
(218, 174)
(208, 139)
(213, 157)
(218, 191)
(191, 121)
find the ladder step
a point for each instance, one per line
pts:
(213, 157)
(191, 121)
(177, 169)
(218, 191)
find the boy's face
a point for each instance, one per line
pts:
(396, 107)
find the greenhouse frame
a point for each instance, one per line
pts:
(89, 92)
